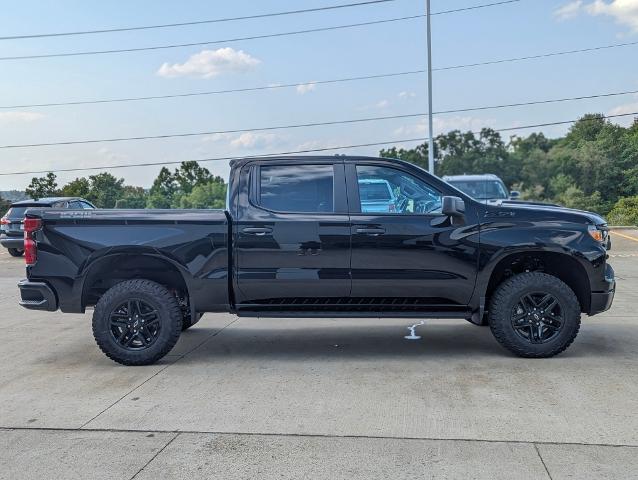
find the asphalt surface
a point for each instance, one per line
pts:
(320, 399)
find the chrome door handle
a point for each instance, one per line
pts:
(259, 231)
(371, 231)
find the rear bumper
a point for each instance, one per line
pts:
(12, 242)
(37, 296)
(601, 301)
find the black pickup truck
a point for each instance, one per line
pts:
(322, 237)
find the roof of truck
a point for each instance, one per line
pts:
(316, 158)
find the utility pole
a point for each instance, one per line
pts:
(430, 117)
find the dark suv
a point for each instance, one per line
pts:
(12, 231)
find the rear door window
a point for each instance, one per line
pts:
(297, 188)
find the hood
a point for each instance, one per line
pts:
(585, 216)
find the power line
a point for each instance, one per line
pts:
(253, 37)
(217, 132)
(197, 22)
(213, 92)
(536, 102)
(324, 82)
(534, 57)
(231, 19)
(318, 124)
(296, 152)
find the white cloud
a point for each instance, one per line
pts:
(624, 109)
(211, 63)
(445, 125)
(569, 10)
(256, 140)
(627, 108)
(15, 117)
(624, 12)
(383, 104)
(306, 87)
(404, 95)
(247, 140)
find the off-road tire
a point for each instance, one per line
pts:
(505, 299)
(14, 252)
(186, 321)
(151, 293)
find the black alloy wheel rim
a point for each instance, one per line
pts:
(537, 317)
(135, 324)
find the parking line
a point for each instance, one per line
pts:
(625, 236)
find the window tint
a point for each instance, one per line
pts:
(297, 188)
(388, 190)
(16, 212)
(75, 205)
(86, 206)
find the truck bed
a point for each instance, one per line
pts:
(76, 245)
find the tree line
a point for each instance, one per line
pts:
(188, 186)
(593, 167)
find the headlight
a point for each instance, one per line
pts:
(597, 234)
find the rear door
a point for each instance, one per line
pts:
(407, 249)
(292, 234)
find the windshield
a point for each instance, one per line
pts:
(482, 189)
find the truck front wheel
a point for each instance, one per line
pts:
(137, 322)
(534, 315)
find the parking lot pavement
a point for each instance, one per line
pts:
(320, 398)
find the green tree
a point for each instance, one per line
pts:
(132, 197)
(80, 187)
(42, 187)
(105, 190)
(163, 190)
(625, 212)
(208, 195)
(4, 206)
(189, 175)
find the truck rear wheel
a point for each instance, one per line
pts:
(137, 322)
(14, 252)
(534, 315)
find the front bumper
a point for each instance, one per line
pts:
(601, 301)
(12, 242)
(37, 296)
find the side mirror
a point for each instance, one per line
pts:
(453, 206)
(514, 195)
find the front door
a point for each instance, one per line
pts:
(293, 236)
(402, 246)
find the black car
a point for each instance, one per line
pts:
(298, 239)
(12, 231)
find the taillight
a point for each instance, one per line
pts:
(4, 221)
(31, 225)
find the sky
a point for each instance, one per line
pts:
(524, 28)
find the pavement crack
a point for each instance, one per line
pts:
(538, 452)
(155, 456)
(180, 357)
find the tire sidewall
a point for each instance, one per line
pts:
(500, 314)
(169, 322)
